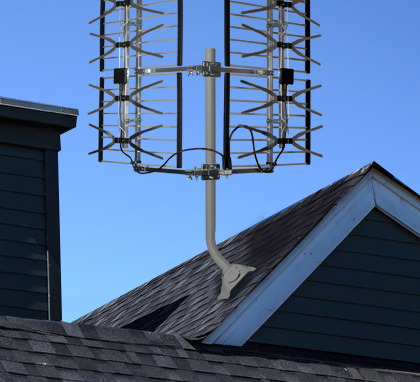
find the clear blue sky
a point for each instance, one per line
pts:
(119, 229)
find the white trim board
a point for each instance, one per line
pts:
(374, 190)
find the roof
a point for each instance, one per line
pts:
(44, 350)
(62, 117)
(184, 299)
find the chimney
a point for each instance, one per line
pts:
(30, 279)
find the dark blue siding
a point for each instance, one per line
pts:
(363, 300)
(23, 239)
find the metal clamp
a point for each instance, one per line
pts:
(139, 167)
(190, 173)
(135, 23)
(130, 120)
(211, 69)
(122, 98)
(284, 98)
(123, 44)
(142, 72)
(265, 72)
(284, 45)
(226, 172)
(284, 4)
(275, 24)
(123, 3)
(210, 171)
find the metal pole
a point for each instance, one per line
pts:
(270, 55)
(232, 274)
(139, 19)
(210, 115)
(126, 65)
(282, 62)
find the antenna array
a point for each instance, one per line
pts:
(267, 112)
(274, 37)
(267, 105)
(140, 115)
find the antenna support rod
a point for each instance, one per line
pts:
(210, 114)
(231, 273)
(126, 65)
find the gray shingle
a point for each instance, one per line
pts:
(13, 367)
(113, 354)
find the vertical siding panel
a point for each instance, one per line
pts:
(23, 239)
(53, 237)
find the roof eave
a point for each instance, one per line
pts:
(62, 118)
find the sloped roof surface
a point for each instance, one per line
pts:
(184, 299)
(39, 350)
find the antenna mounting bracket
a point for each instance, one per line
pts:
(210, 171)
(211, 69)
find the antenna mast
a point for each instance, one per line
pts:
(231, 273)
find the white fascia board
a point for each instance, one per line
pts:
(396, 202)
(374, 190)
(275, 289)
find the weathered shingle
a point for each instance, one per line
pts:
(46, 351)
(184, 299)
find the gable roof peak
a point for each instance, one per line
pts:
(184, 300)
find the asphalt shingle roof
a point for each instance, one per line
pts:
(184, 299)
(38, 350)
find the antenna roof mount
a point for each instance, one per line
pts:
(267, 94)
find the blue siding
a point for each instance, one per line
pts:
(363, 300)
(23, 239)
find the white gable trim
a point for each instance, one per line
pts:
(374, 190)
(396, 202)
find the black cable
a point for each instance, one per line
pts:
(122, 150)
(264, 170)
(121, 131)
(179, 152)
(253, 143)
(133, 163)
(272, 165)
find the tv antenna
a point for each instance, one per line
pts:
(267, 60)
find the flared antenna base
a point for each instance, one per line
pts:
(231, 277)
